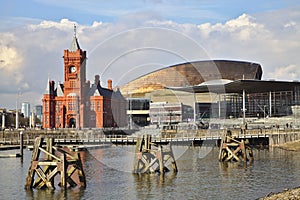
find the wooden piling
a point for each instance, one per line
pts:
(232, 149)
(21, 143)
(42, 171)
(151, 157)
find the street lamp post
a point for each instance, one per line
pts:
(17, 113)
(244, 106)
(170, 114)
(265, 113)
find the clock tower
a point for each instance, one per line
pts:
(78, 104)
(75, 86)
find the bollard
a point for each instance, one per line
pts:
(21, 143)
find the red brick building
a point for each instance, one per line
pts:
(78, 104)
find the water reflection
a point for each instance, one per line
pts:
(199, 177)
(229, 166)
(152, 185)
(158, 180)
(55, 194)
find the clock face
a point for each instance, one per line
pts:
(72, 69)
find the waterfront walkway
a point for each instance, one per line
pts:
(181, 137)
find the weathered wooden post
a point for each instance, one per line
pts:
(56, 161)
(63, 174)
(35, 155)
(21, 143)
(152, 157)
(232, 149)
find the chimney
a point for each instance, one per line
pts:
(52, 85)
(97, 80)
(109, 84)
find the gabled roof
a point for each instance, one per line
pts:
(118, 95)
(47, 91)
(99, 91)
(96, 93)
(93, 91)
(59, 90)
(105, 92)
(50, 88)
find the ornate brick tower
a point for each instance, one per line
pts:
(75, 87)
(77, 104)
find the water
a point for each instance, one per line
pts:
(200, 176)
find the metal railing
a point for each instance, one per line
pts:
(13, 138)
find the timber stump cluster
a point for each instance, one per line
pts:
(151, 157)
(232, 149)
(56, 161)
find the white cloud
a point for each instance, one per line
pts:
(10, 58)
(64, 25)
(290, 24)
(282, 73)
(32, 53)
(11, 62)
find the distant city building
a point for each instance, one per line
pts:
(138, 111)
(170, 113)
(7, 118)
(25, 109)
(39, 112)
(78, 104)
(2, 118)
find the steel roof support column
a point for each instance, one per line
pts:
(270, 104)
(244, 106)
(195, 111)
(219, 105)
(3, 120)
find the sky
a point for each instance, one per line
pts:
(127, 39)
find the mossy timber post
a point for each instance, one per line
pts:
(42, 172)
(151, 157)
(232, 149)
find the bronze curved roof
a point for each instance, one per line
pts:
(193, 73)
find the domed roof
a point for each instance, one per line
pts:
(193, 73)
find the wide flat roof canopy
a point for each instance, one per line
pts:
(250, 86)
